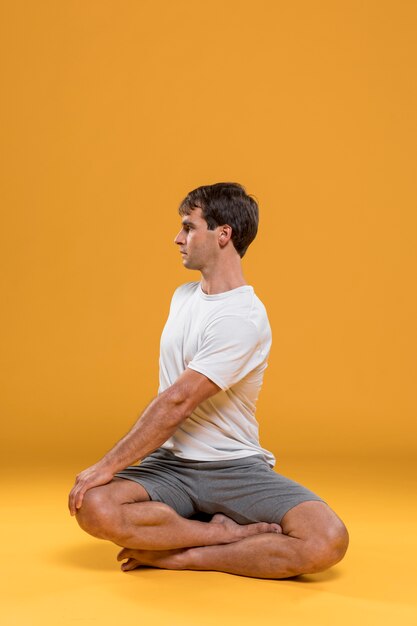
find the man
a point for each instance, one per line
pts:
(198, 439)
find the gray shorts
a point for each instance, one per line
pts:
(247, 490)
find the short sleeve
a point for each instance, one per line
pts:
(229, 351)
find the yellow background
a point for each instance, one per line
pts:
(110, 113)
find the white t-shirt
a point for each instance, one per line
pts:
(227, 337)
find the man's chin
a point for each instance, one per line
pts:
(187, 264)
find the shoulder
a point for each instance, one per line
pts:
(246, 320)
(246, 308)
(233, 328)
(185, 290)
(258, 311)
(259, 317)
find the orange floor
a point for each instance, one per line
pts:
(53, 573)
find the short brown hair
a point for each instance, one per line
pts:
(226, 203)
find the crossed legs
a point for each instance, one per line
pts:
(310, 538)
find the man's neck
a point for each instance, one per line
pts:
(218, 283)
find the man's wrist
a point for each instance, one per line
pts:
(108, 465)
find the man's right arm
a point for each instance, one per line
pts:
(157, 423)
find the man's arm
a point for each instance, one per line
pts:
(157, 423)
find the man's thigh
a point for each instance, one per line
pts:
(164, 480)
(311, 519)
(249, 490)
(119, 491)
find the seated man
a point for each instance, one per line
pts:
(198, 439)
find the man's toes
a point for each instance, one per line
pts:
(219, 518)
(124, 554)
(129, 565)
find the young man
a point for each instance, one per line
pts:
(198, 439)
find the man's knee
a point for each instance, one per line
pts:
(105, 516)
(325, 549)
(323, 536)
(98, 513)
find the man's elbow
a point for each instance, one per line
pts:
(178, 408)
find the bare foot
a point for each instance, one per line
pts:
(240, 531)
(167, 559)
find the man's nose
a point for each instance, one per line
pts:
(179, 237)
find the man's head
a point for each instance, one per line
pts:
(225, 204)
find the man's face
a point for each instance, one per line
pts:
(197, 244)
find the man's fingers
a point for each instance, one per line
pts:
(71, 501)
(72, 505)
(80, 498)
(78, 493)
(76, 497)
(89, 478)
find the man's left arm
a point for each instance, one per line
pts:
(156, 424)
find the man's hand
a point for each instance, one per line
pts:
(94, 476)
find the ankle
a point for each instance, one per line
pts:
(191, 558)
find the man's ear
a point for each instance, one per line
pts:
(225, 234)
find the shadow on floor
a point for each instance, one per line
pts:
(100, 556)
(321, 577)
